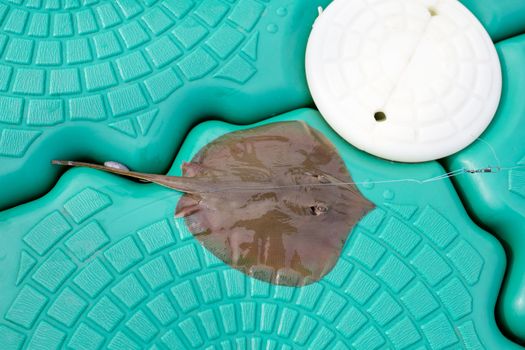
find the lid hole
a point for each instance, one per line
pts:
(433, 12)
(380, 116)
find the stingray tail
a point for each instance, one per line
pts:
(182, 184)
(123, 172)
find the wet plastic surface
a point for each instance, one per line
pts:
(101, 261)
(502, 18)
(498, 201)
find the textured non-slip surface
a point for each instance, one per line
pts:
(100, 262)
(126, 79)
(498, 200)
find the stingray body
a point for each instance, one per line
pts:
(274, 202)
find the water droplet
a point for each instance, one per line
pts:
(272, 28)
(282, 11)
(388, 195)
(368, 184)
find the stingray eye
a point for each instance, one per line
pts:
(318, 209)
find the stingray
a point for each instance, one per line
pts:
(275, 202)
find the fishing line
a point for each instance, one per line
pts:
(455, 173)
(492, 150)
(329, 180)
(451, 174)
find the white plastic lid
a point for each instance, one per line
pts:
(405, 80)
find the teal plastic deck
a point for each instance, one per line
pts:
(126, 79)
(501, 18)
(497, 201)
(101, 262)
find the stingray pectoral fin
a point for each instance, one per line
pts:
(185, 211)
